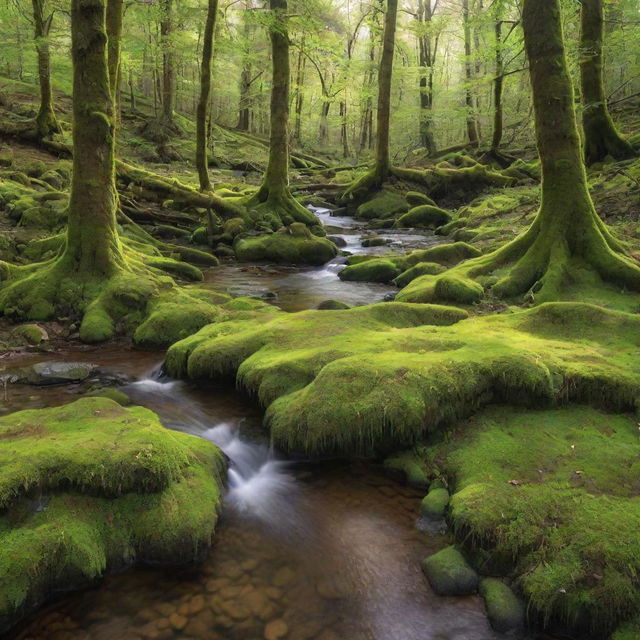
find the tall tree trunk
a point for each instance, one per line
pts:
(46, 122)
(385, 73)
(324, 115)
(497, 89)
(244, 104)
(93, 245)
(344, 130)
(168, 71)
(601, 138)
(472, 125)
(426, 55)
(297, 130)
(202, 163)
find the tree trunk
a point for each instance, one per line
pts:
(168, 72)
(93, 245)
(344, 130)
(472, 125)
(324, 115)
(244, 105)
(297, 130)
(385, 74)
(202, 163)
(426, 61)
(46, 122)
(497, 89)
(601, 138)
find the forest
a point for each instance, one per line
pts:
(319, 320)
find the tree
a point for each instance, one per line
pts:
(427, 50)
(567, 235)
(46, 122)
(601, 138)
(202, 163)
(274, 194)
(168, 71)
(472, 125)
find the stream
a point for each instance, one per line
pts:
(324, 550)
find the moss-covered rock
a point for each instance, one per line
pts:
(113, 394)
(112, 487)
(384, 205)
(294, 244)
(408, 466)
(449, 574)
(372, 378)
(424, 216)
(332, 305)
(374, 241)
(417, 198)
(434, 504)
(379, 270)
(420, 269)
(32, 334)
(505, 610)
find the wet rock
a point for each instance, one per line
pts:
(30, 334)
(449, 574)
(46, 373)
(435, 503)
(374, 241)
(339, 241)
(178, 621)
(275, 630)
(196, 604)
(504, 610)
(283, 576)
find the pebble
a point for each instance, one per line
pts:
(276, 629)
(178, 621)
(283, 576)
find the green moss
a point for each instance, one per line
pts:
(384, 205)
(117, 488)
(176, 268)
(556, 491)
(113, 394)
(410, 467)
(332, 305)
(234, 227)
(424, 216)
(447, 254)
(30, 333)
(434, 504)
(627, 631)
(368, 378)
(417, 198)
(504, 610)
(291, 245)
(378, 270)
(449, 574)
(420, 269)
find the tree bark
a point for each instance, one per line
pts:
(601, 138)
(426, 60)
(93, 245)
(497, 89)
(300, 69)
(202, 163)
(168, 71)
(46, 122)
(472, 125)
(385, 74)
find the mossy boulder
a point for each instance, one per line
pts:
(31, 334)
(379, 270)
(434, 504)
(424, 216)
(113, 394)
(449, 574)
(386, 204)
(332, 305)
(294, 244)
(506, 612)
(374, 241)
(420, 269)
(408, 466)
(92, 487)
(234, 227)
(416, 198)
(446, 254)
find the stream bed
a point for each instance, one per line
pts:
(323, 550)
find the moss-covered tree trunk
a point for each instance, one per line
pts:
(114, 38)
(202, 163)
(498, 83)
(385, 76)
(93, 246)
(601, 138)
(46, 122)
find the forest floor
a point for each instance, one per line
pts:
(519, 419)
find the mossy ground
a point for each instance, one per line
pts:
(90, 487)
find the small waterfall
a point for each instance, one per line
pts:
(259, 484)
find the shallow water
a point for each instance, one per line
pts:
(303, 551)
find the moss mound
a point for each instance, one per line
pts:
(294, 244)
(556, 492)
(435, 503)
(92, 486)
(424, 216)
(408, 466)
(416, 198)
(378, 270)
(384, 205)
(369, 378)
(504, 610)
(420, 269)
(449, 574)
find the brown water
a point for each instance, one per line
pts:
(303, 551)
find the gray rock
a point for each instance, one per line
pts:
(44, 373)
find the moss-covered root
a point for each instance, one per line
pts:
(279, 208)
(113, 487)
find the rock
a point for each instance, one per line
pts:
(283, 576)
(505, 610)
(32, 334)
(113, 394)
(449, 573)
(415, 199)
(332, 305)
(44, 373)
(196, 604)
(424, 216)
(374, 241)
(276, 629)
(379, 270)
(435, 503)
(178, 621)
(339, 241)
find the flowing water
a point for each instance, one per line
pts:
(304, 550)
